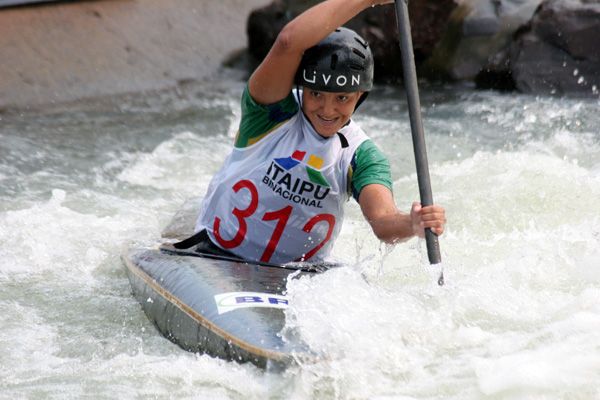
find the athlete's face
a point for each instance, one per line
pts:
(328, 112)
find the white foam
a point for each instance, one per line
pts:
(53, 237)
(547, 368)
(181, 163)
(517, 318)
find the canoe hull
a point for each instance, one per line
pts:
(227, 309)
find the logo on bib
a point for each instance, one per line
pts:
(307, 192)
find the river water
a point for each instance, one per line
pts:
(518, 318)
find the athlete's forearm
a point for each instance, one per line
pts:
(388, 223)
(314, 24)
(393, 228)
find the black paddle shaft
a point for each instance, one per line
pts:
(416, 122)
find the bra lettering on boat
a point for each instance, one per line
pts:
(233, 300)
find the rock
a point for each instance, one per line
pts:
(557, 52)
(263, 26)
(377, 25)
(496, 75)
(477, 30)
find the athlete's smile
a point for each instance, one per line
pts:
(327, 120)
(329, 112)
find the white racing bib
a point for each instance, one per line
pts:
(281, 199)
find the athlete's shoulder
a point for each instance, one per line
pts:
(369, 165)
(258, 120)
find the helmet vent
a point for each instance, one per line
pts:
(357, 67)
(334, 61)
(359, 53)
(363, 43)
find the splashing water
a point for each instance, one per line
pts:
(518, 316)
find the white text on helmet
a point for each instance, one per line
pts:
(341, 80)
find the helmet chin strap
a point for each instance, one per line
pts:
(298, 95)
(302, 108)
(362, 98)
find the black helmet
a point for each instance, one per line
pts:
(342, 62)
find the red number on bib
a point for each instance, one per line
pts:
(241, 216)
(330, 219)
(282, 217)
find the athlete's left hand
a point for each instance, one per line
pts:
(433, 217)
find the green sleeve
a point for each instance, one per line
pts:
(369, 165)
(259, 120)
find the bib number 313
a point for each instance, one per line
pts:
(281, 218)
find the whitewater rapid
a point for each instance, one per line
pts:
(518, 317)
